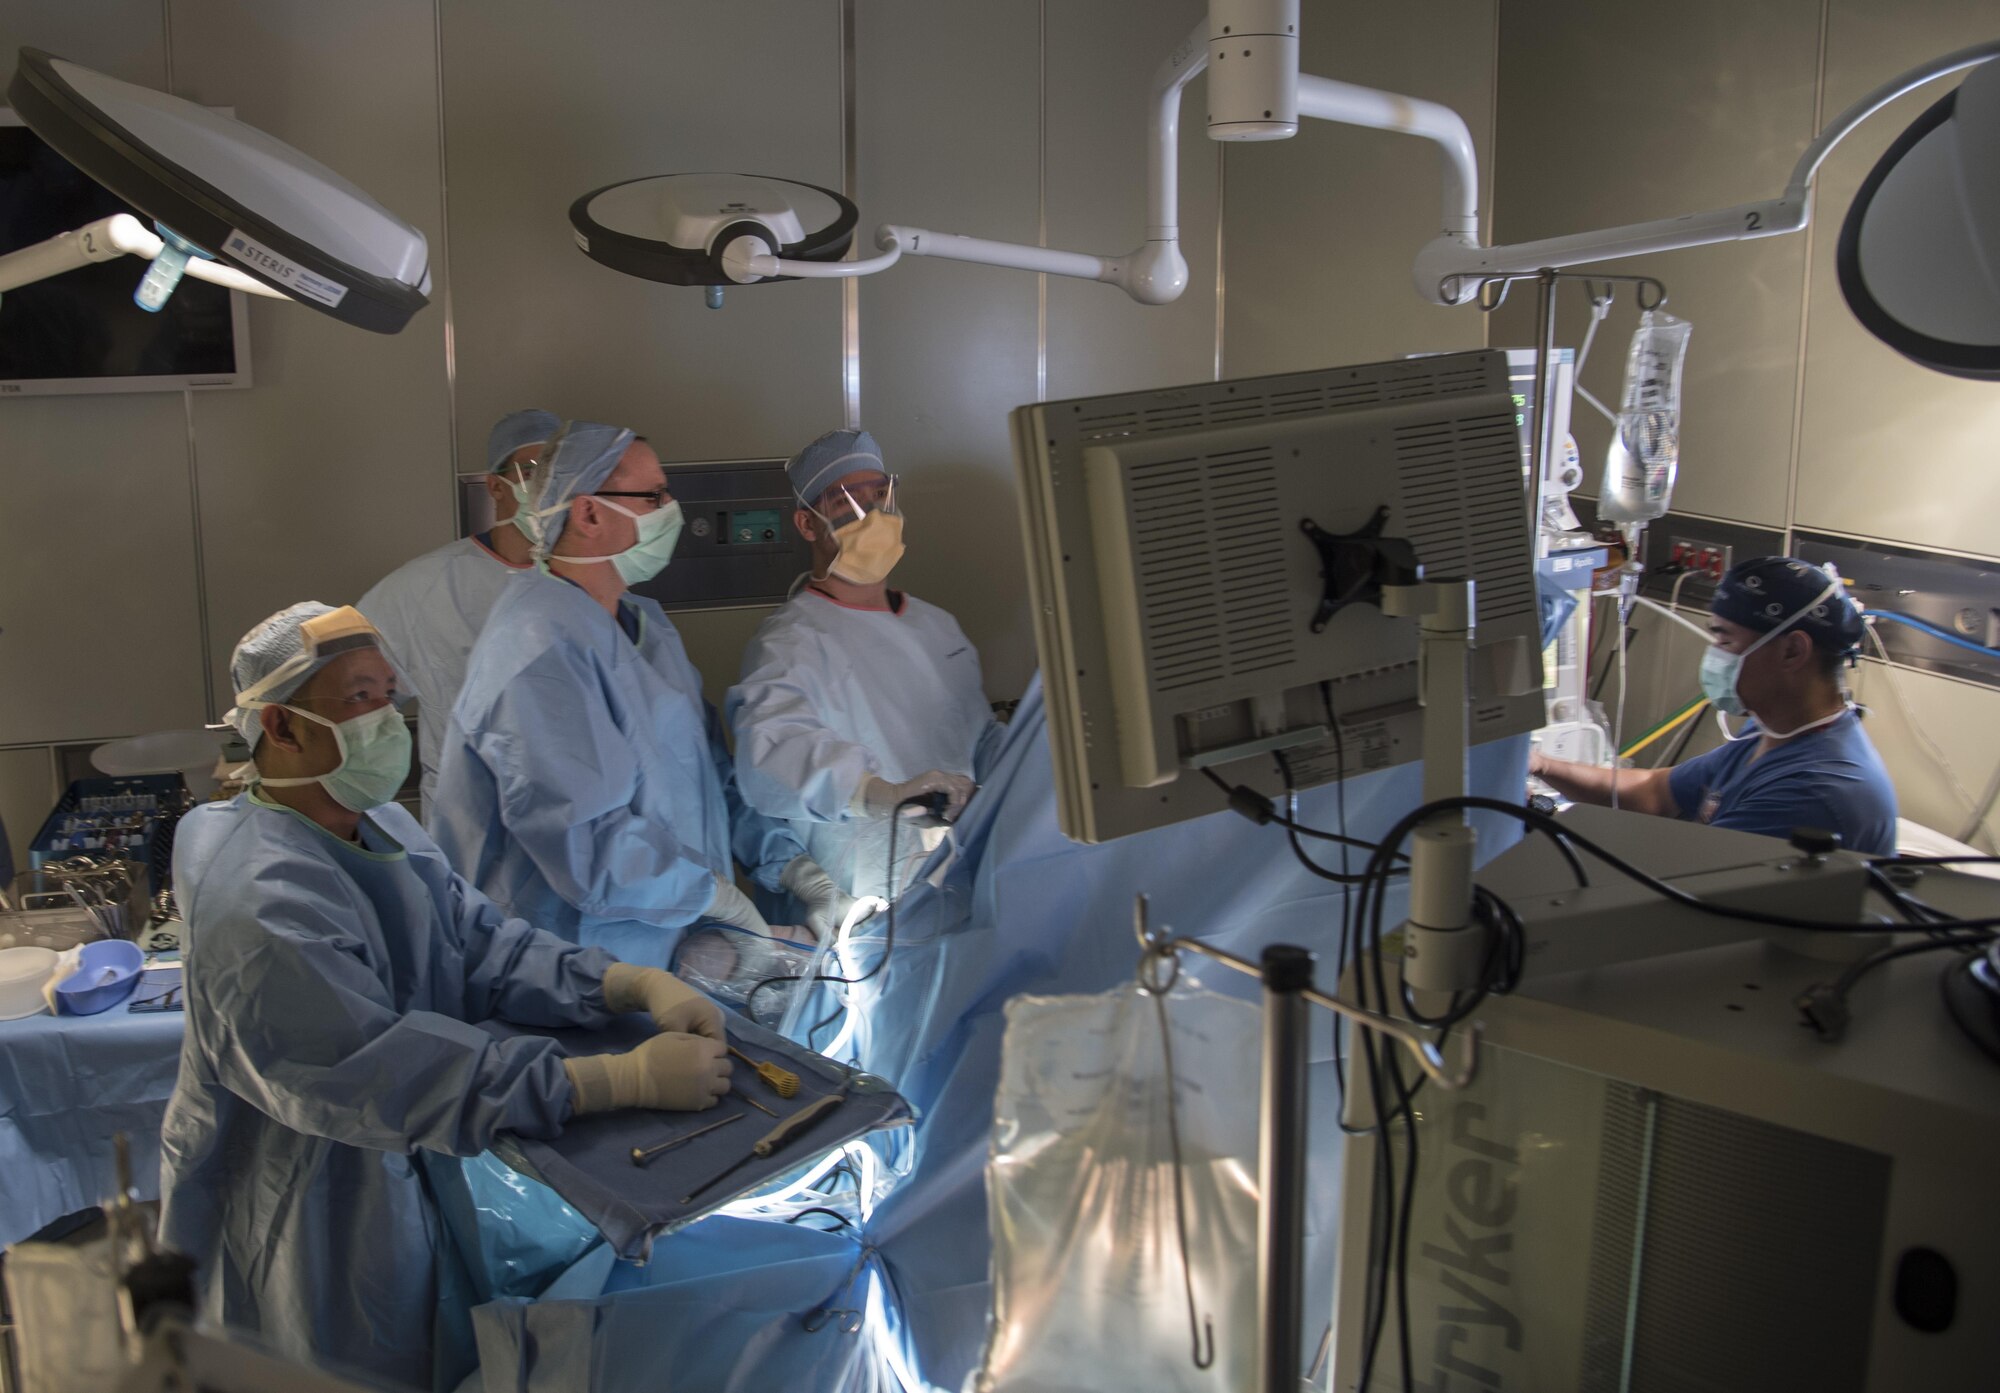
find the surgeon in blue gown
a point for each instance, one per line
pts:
(585, 783)
(336, 972)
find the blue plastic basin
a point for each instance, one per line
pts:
(109, 971)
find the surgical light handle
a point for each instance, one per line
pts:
(107, 239)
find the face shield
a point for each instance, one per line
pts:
(282, 654)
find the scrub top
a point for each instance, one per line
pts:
(431, 611)
(831, 694)
(1831, 778)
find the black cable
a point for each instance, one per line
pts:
(1825, 1008)
(835, 1214)
(1253, 805)
(888, 935)
(1292, 831)
(1935, 860)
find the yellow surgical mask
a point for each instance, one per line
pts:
(871, 543)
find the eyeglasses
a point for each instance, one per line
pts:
(844, 502)
(661, 496)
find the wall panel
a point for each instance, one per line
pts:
(948, 110)
(1320, 230)
(1101, 59)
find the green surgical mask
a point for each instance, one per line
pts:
(374, 759)
(659, 534)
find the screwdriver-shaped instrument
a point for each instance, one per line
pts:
(783, 1081)
(641, 1155)
(772, 1140)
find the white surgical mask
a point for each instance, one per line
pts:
(374, 758)
(659, 532)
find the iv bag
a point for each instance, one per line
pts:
(1645, 451)
(1081, 1182)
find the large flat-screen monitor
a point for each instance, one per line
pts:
(1176, 585)
(80, 331)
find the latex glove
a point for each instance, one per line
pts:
(731, 906)
(826, 904)
(672, 1003)
(683, 1073)
(879, 798)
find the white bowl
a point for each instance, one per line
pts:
(22, 973)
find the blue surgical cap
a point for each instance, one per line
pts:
(515, 430)
(280, 655)
(1764, 592)
(831, 458)
(584, 458)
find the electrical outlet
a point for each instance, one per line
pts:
(1706, 559)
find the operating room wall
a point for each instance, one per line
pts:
(168, 523)
(1794, 416)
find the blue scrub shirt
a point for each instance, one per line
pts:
(1831, 778)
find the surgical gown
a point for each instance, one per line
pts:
(832, 694)
(585, 784)
(431, 610)
(331, 990)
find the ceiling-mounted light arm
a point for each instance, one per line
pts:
(1155, 273)
(747, 259)
(1327, 100)
(107, 239)
(1449, 269)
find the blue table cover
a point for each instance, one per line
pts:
(68, 1084)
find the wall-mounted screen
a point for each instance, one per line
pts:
(79, 331)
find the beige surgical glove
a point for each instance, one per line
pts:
(825, 903)
(672, 1003)
(681, 1073)
(731, 906)
(879, 798)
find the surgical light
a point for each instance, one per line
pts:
(718, 230)
(1919, 255)
(232, 205)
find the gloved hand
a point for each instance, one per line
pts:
(826, 904)
(879, 798)
(674, 1006)
(732, 906)
(685, 1073)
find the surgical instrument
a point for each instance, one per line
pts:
(641, 1155)
(783, 1081)
(752, 1102)
(772, 1140)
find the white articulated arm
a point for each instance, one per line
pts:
(1328, 100)
(1449, 269)
(1154, 273)
(121, 234)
